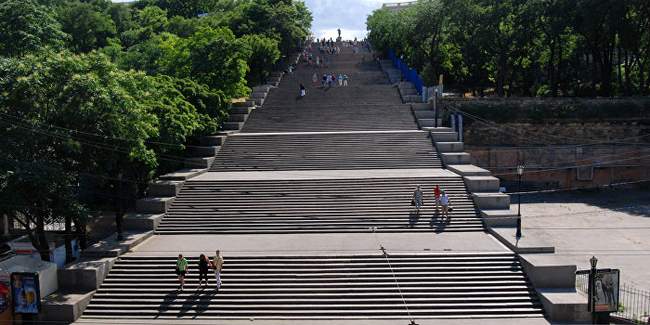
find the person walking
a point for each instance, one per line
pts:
(416, 201)
(436, 196)
(340, 78)
(204, 263)
(345, 80)
(303, 91)
(217, 265)
(181, 270)
(324, 80)
(444, 202)
(314, 78)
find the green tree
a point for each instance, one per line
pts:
(217, 60)
(26, 26)
(150, 21)
(263, 53)
(89, 29)
(107, 135)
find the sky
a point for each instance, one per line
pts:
(349, 15)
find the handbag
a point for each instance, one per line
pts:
(413, 202)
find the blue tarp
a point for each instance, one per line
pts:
(409, 74)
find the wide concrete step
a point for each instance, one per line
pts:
(315, 206)
(327, 151)
(325, 286)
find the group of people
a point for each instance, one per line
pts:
(441, 200)
(204, 266)
(328, 79)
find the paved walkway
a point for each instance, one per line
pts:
(326, 244)
(613, 225)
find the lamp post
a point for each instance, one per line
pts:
(520, 173)
(592, 297)
(435, 107)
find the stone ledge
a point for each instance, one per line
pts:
(506, 235)
(499, 218)
(481, 183)
(142, 221)
(246, 103)
(546, 271)
(152, 205)
(165, 188)
(449, 146)
(200, 162)
(64, 307)
(564, 305)
(444, 136)
(183, 174)
(85, 275)
(468, 170)
(456, 158)
(491, 200)
(110, 247)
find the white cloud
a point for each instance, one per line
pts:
(348, 15)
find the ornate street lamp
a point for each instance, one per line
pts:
(520, 173)
(592, 290)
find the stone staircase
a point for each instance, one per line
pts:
(312, 151)
(368, 286)
(312, 206)
(256, 184)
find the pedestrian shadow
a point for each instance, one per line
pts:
(168, 300)
(203, 302)
(198, 303)
(438, 224)
(414, 218)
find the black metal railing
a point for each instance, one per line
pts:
(634, 303)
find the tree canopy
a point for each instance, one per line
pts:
(100, 97)
(526, 48)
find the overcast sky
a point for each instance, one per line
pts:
(349, 15)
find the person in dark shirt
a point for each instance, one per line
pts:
(203, 270)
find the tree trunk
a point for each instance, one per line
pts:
(628, 67)
(501, 71)
(44, 246)
(68, 240)
(619, 71)
(80, 229)
(551, 71)
(119, 214)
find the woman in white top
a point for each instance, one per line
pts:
(444, 202)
